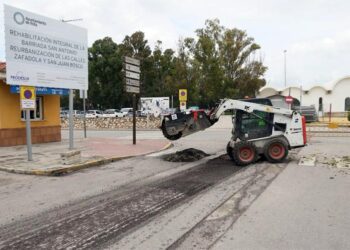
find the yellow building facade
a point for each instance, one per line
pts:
(45, 121)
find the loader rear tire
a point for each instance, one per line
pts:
(275, 151)
(244, 153)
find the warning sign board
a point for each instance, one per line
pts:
(27, 96)
(182, 95)
(182, 106)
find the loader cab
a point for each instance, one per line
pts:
(249, 126)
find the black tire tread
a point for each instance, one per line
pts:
(235, 153)
(266, 150)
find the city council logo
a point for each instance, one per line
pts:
(19, 18)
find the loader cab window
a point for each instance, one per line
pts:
(253, 125)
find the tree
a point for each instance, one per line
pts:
(242, 73)
(223, 63)
(105, 77)
(137, 46)
(217, 63)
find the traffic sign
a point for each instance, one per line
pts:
(27, 96)
(182, 106)
(132, 89)
(132, 60)
(182, 95)
(289, 99)
(132, 82)
(133, 75)
(131, 67)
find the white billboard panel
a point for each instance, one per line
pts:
(45, 52)
(155, 105)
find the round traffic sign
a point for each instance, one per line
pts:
(289, 99)
(28, 94)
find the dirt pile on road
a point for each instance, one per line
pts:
(187, 155)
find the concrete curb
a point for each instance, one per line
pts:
(75, 167)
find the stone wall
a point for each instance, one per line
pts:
(113, 123)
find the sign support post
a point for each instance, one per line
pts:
(132, 85)
(71, 122)
(134, 119)
(28, 101)
(29, 136)
(84, 104)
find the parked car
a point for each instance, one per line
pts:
(112, 113)
(63, 114)
(130, 113)
(94, 114)
(125, 111)
(79, 114)
(139, 113)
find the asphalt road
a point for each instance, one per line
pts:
(94, 221)
(25, 195)
(147, 203)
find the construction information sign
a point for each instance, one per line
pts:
(28, 98)
(44, 52)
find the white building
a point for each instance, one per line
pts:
(335, 94)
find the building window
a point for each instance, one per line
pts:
(37, 114)
(320, 104)
(347, 104)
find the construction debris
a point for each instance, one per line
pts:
(308, 160)
(187, 155)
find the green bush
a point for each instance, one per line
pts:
(349, 115)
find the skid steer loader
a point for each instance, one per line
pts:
(258, 129)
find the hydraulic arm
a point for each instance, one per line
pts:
(182, 124)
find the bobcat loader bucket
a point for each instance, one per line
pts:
(181, 124)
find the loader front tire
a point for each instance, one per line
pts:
(275, 151)
(229, 151)
(244, 153)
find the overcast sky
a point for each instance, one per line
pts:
(315, 33)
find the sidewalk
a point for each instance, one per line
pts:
(94, 152)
